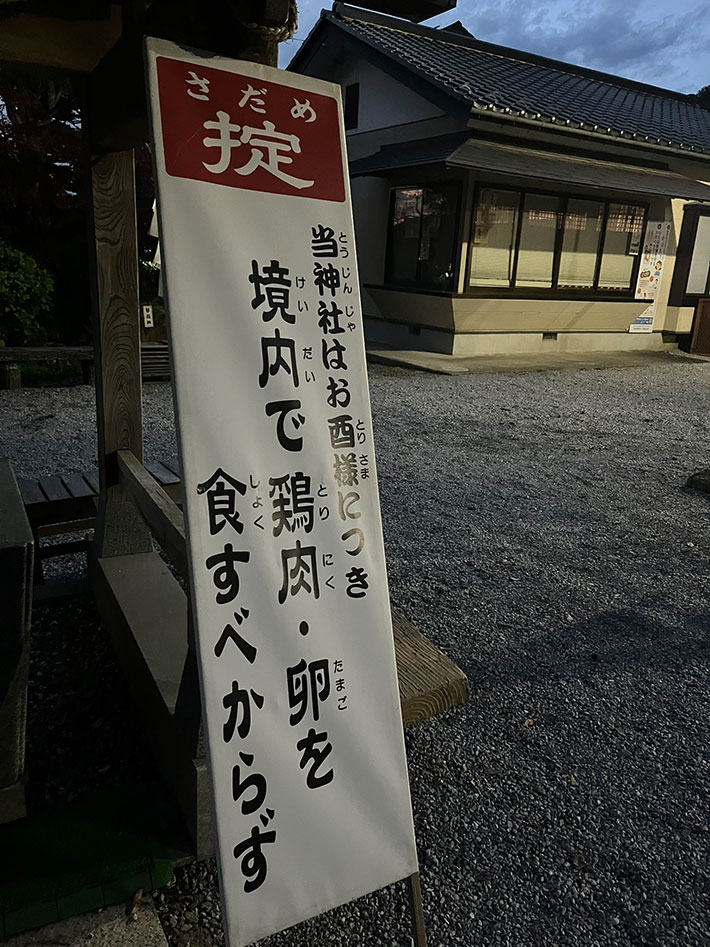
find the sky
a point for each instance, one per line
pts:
(665, 45)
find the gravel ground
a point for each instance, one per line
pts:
(538, 531)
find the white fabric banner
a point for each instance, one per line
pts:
(653, 259)
(288, 572)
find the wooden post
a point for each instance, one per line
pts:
(120, 529)
(16, 555)
(416, 909)
(10, 375)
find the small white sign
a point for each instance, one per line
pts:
(148, 317)
(288, 572)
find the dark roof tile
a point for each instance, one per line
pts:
(496, 78)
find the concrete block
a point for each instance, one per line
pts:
(110, 928)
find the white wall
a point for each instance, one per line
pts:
(384, 101)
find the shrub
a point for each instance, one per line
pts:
(25, 295)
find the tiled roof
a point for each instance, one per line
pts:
(495, 79)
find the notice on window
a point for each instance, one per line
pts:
(650, 271)
(288, 575)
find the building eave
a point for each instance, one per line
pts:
(452, 101)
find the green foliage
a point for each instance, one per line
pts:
(702, 96)
(25, 294)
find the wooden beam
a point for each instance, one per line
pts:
(117, 107)
(120, 529)
(47, 41)
(262, 44)
(429, 682)
(45, 353)
(146, 614)
(164, 518)
(117, 95)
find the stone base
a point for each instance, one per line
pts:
(12, 802)
(448, 342)
(112, 927)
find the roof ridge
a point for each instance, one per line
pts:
(344, 11)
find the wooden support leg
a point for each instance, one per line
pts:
(141, 603)
(188, 709)
(120, 529)
(416, 910)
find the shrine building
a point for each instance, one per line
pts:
(503, 200)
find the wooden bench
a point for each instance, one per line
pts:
(56, 502)
(12, 358)
(66, 503)
(155, 361)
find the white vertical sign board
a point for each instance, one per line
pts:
(653, 259)
(288, 571)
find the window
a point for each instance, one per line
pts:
(495, 231)
(691, 273)
(422, 236)
(582, 231)
(536, 245)
(530, 241)
(351, 106)
(699, 272)
(622, 239)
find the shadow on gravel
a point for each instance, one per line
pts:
(83, 733)
(609, 645)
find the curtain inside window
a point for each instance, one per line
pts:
(580, 243)
(538, 235)
(622, 241)
(404, 240)
(436, 246)
(493, 239)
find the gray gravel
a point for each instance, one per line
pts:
(539, 532)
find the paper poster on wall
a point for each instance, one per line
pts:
(653, 259)
(288, 573)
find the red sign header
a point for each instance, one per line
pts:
(225, 128)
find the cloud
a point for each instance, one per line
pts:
(638, 41)
(664, 49)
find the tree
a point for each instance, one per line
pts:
(702, 96)
(44, 194)
(41, 193)
(25, 296)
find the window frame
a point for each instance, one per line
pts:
(554, 291)
(678, 295)
(351, 106)
(417, 285)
